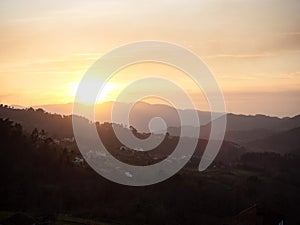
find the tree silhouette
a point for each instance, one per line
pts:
(34, 135)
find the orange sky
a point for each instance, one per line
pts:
(251, 46)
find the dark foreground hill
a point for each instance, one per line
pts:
(40, 177)
(56, 125)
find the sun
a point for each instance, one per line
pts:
(108, 93)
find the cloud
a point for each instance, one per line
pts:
(242, 56)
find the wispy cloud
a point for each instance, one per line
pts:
(243, 56)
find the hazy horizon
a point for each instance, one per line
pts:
(66, 108)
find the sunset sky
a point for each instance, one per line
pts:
(251, 46)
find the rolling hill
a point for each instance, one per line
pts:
(283, 142)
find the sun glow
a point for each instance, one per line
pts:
(108, 93)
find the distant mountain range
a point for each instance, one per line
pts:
(255, 132)
(282, 142)
(143, 111)
(140, 114)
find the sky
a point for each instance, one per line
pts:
(251, 46)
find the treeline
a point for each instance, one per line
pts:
(56, 125)
(38, 175)
(30, 166)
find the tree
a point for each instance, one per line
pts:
(30, 109)
(133, 130)
(34, 135)
(18, 130)
(40, 110)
